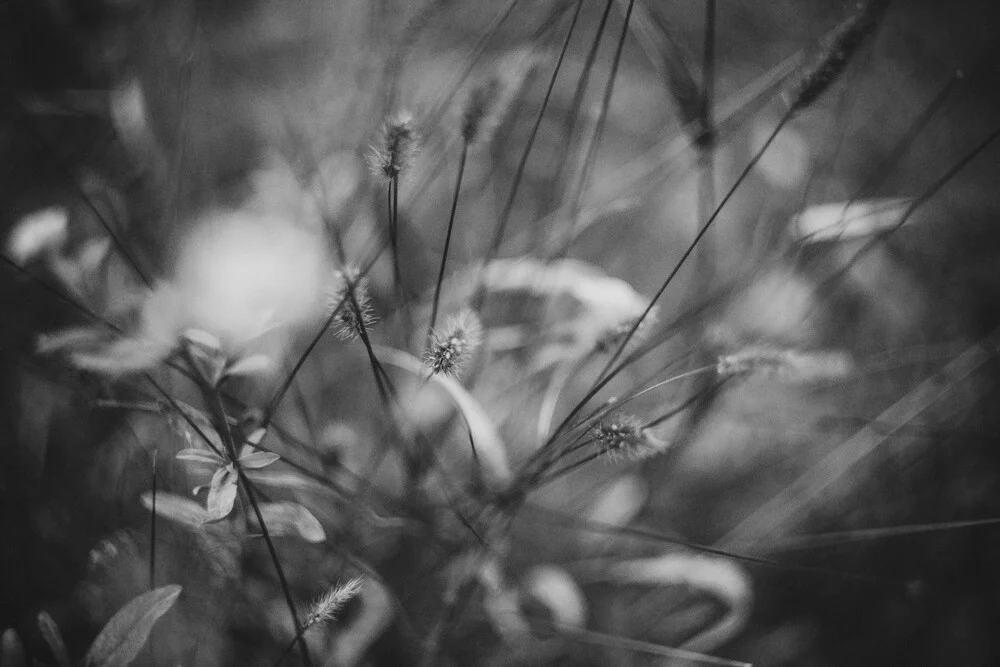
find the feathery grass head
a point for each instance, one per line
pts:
(785, 364)
(397, 146)
(351, 315)
(613, 336)
(623, 436)
(845, 42)
(452, 346)
(328, 605)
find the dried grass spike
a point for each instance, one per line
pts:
(787, 365)
(352, 315)
(328, 605)
(833, 60)
(613, 337)
(453, 345)
(397, 147)
(623, 436)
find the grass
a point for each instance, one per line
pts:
(567, 384)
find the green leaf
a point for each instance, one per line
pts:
(200, 456)
(258, 460)
(176, 508)
(12, 650)
(123, 637)
(292, 519)
(52, 636)
(221, 494)
(252, 365)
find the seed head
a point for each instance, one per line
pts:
(397, 147)
(328, 605)
(613, 336)
(351, 315)
(623, 436)
(785, 364)
(453, 346)
(833, 60)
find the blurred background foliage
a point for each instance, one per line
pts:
(169, 115)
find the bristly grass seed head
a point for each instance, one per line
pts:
(328, 605)
(785, 364)
(397, 147)
(613, 336)
(352, 315)
(833, 60)
(453, 345)
(623, 436)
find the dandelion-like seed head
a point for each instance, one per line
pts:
(453, 346)
(623, 436)
(397, 147)
(328, 605)
(351, 316)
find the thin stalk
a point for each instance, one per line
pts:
(525, 154)
(680, 263)
(215, 399)
(596, 138)
(447, 239)
(152, 530)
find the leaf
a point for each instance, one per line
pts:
(37, 233)
(50, 632)
(553, 588)
(285, 480)
(12, 650)
(203, 339)
(200, 455)
(292, 519)
(176, 508)
(491, 450)
(258, 460)
(841, 221)
(252, 365)
(127, 355)
(221, 494)
(123, 637)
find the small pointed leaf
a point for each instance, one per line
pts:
(123, 637)
(252, 365)
(176, 508)
(52, 636)
(258, 460)
(292, 519)
(199, 455)
(221, 494)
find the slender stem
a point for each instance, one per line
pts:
(677, 267)
(595, 141)
(152, 531)
(215, 399)
(525, 154)
(447, 238)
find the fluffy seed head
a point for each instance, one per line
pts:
(351, 315)
(328, 605)
(453, 346)
(622, 436)
(397, 147)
